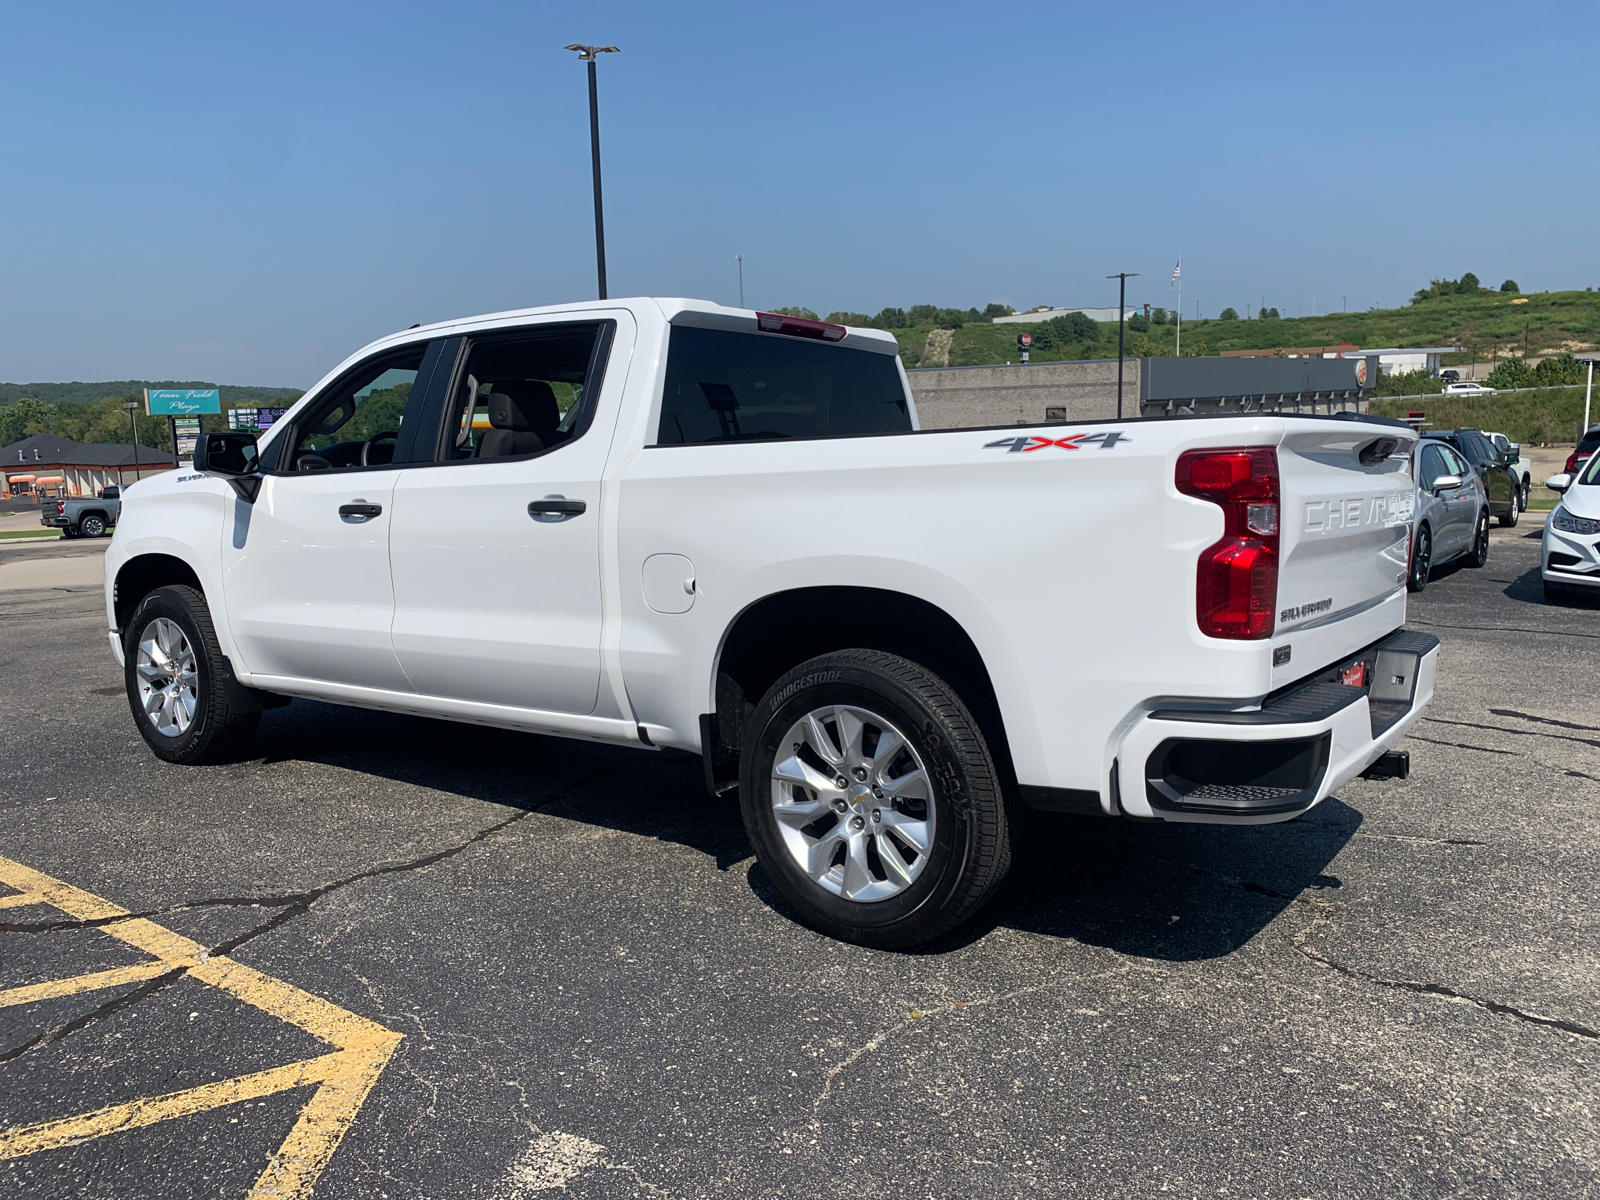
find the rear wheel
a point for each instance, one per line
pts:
(1421, 560)
(93, 525)
(1479, 554)
(871, 800)
(175, 673)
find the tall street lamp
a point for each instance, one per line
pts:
(587, 54)
(739, 258)
(1122, 313)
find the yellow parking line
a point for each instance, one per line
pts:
(362, 1048)
(85, 983)
(18, 899)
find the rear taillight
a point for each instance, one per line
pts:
(61, 508)
(1236, 583)
(799, 327)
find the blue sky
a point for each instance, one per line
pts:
(248, 193)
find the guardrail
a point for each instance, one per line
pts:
(1555, 387)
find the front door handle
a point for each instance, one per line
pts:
(360, 509)
(555, 508)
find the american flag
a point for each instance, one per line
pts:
(1176, 271)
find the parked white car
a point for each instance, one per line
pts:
(1570, 552)
(664, 523)
(1519, 462)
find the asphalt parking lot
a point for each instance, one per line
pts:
(393, 958)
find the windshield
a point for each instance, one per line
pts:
(1591, 473)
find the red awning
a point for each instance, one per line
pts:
(20, 478)
(51, 479)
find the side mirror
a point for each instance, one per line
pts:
(1515, 452)
(1445, 482)
(232, 456)
(1559, 483)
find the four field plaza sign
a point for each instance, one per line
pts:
(182, 402)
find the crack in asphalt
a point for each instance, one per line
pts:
(1513, 753)
(1511, 712)
(291, 905)
(1448, 993)
(1520, 732)
(1564, 633)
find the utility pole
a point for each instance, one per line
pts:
(739, 258)
(1122, 314)
(133, 429)
(587, 54)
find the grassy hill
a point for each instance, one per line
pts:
(1551, 321)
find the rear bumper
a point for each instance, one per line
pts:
(1276, 761)
(56, 522)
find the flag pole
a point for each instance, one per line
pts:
(1177, 276)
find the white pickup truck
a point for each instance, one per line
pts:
(664, 523)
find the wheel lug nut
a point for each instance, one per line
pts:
(860, 773)
(857, 823)
(839, 806)
(877, 793)
(877, 815)
(841, 782)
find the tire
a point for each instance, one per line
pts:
(1479, 554)
(68, 531)
(93, 525)
(826, 848)
(179, 694)
(1421, 560)
(1523, 492)
(1509, 521)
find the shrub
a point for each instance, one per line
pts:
(1139, 323)
(1227, 314)
(1409, 383)
(1511, 373)
(1158, 316)
(1510, 285)
(1071, 327)
(849, 318)
(1557, 370)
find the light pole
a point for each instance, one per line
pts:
(739, 258)
(1122, 312)
(133, 428)
(587, 54)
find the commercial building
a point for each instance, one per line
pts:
(1094, 314)
(46, 464)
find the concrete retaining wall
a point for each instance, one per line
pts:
(967, 397)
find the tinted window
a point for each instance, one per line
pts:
(728, 387)
(1591, 473)
(1433, 466)
(1455, 463)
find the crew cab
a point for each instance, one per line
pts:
(665, 523)
(89, 516)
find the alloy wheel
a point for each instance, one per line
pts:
(168, 678)
(853, 802)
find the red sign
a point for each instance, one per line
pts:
(1024, 339)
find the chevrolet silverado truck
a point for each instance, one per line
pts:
(665, 523)
(90, 516)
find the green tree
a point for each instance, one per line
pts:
(25, 417)
(1227, 314)
(1467, 285)
(1139, 323)
(1158, 316)
(1511, 373)
(1557, 370)
(1510, 285)
(922, 314)
(949, 318)
(1071, 327)
(991, 311)
(891, 318)
(803, 313)
(860, 320)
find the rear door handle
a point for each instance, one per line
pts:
(555, 508)
(360, 509)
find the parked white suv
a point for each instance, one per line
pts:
(663, 523)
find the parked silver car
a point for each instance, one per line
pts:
(1452, 513)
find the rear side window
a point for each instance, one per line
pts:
(724, 386)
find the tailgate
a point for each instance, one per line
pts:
(1347, 500)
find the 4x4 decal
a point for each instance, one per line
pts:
(1076, 441)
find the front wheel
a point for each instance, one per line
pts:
(871, 799)
(175, 675)
(1514, 513)
(1421, 560)
(1479, 554)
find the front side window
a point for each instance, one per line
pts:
(356, 423)
(525, 393)
(725, 386)
(1433, 466)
